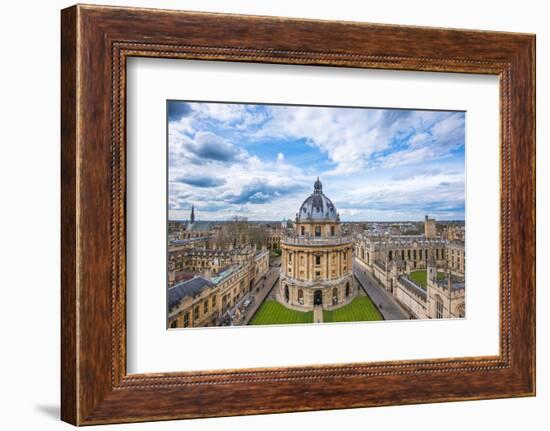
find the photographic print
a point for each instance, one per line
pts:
(291, 214)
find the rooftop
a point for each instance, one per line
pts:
(192, 287)
(457, 284)
(222, 275)
(412, 287)
(317, 206)
(199, 226)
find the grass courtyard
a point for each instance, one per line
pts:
(420, 277)
(359, 310)
(271, 312)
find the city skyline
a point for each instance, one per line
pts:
(186, 218)
(257, 161)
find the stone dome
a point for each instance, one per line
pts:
(317, 207)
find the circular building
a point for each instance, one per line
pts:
(316, 261)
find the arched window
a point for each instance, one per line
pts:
(317, 230)
(461, 311)
(347, 289)
(335, 296)
(301, 296)
(287, 295)
(332, 230)
(302, 230)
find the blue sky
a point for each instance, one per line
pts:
(260, 161)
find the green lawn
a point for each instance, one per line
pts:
(420, 277)
(358, 310)
(271, 313)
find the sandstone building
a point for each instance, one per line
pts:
(204, 299)
(390, 260)
(206, 279)
(430, 231)
(316, 265)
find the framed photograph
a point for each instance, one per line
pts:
(329, 214)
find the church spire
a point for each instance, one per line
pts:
(192, 219)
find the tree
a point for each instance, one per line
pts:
(238, 233)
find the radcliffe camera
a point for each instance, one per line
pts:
(288, 214)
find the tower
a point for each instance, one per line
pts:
(192, 219)
(430, 230)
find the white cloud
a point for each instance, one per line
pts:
(356, 139)
(211, 167)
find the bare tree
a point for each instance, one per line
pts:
(239, 233)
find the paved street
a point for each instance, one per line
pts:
(318, 314)
(386, 304)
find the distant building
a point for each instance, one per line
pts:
(429, 228)
(454, 232)
(239, 219)
(273, 238)
(197, 228)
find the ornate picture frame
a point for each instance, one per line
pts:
(96, 41)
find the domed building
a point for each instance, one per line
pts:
(316, 261)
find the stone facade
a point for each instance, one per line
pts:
(455, 257)
(446, 295)
(376, 252)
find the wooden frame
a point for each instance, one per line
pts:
(96, 41)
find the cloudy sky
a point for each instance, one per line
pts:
(260, 161)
